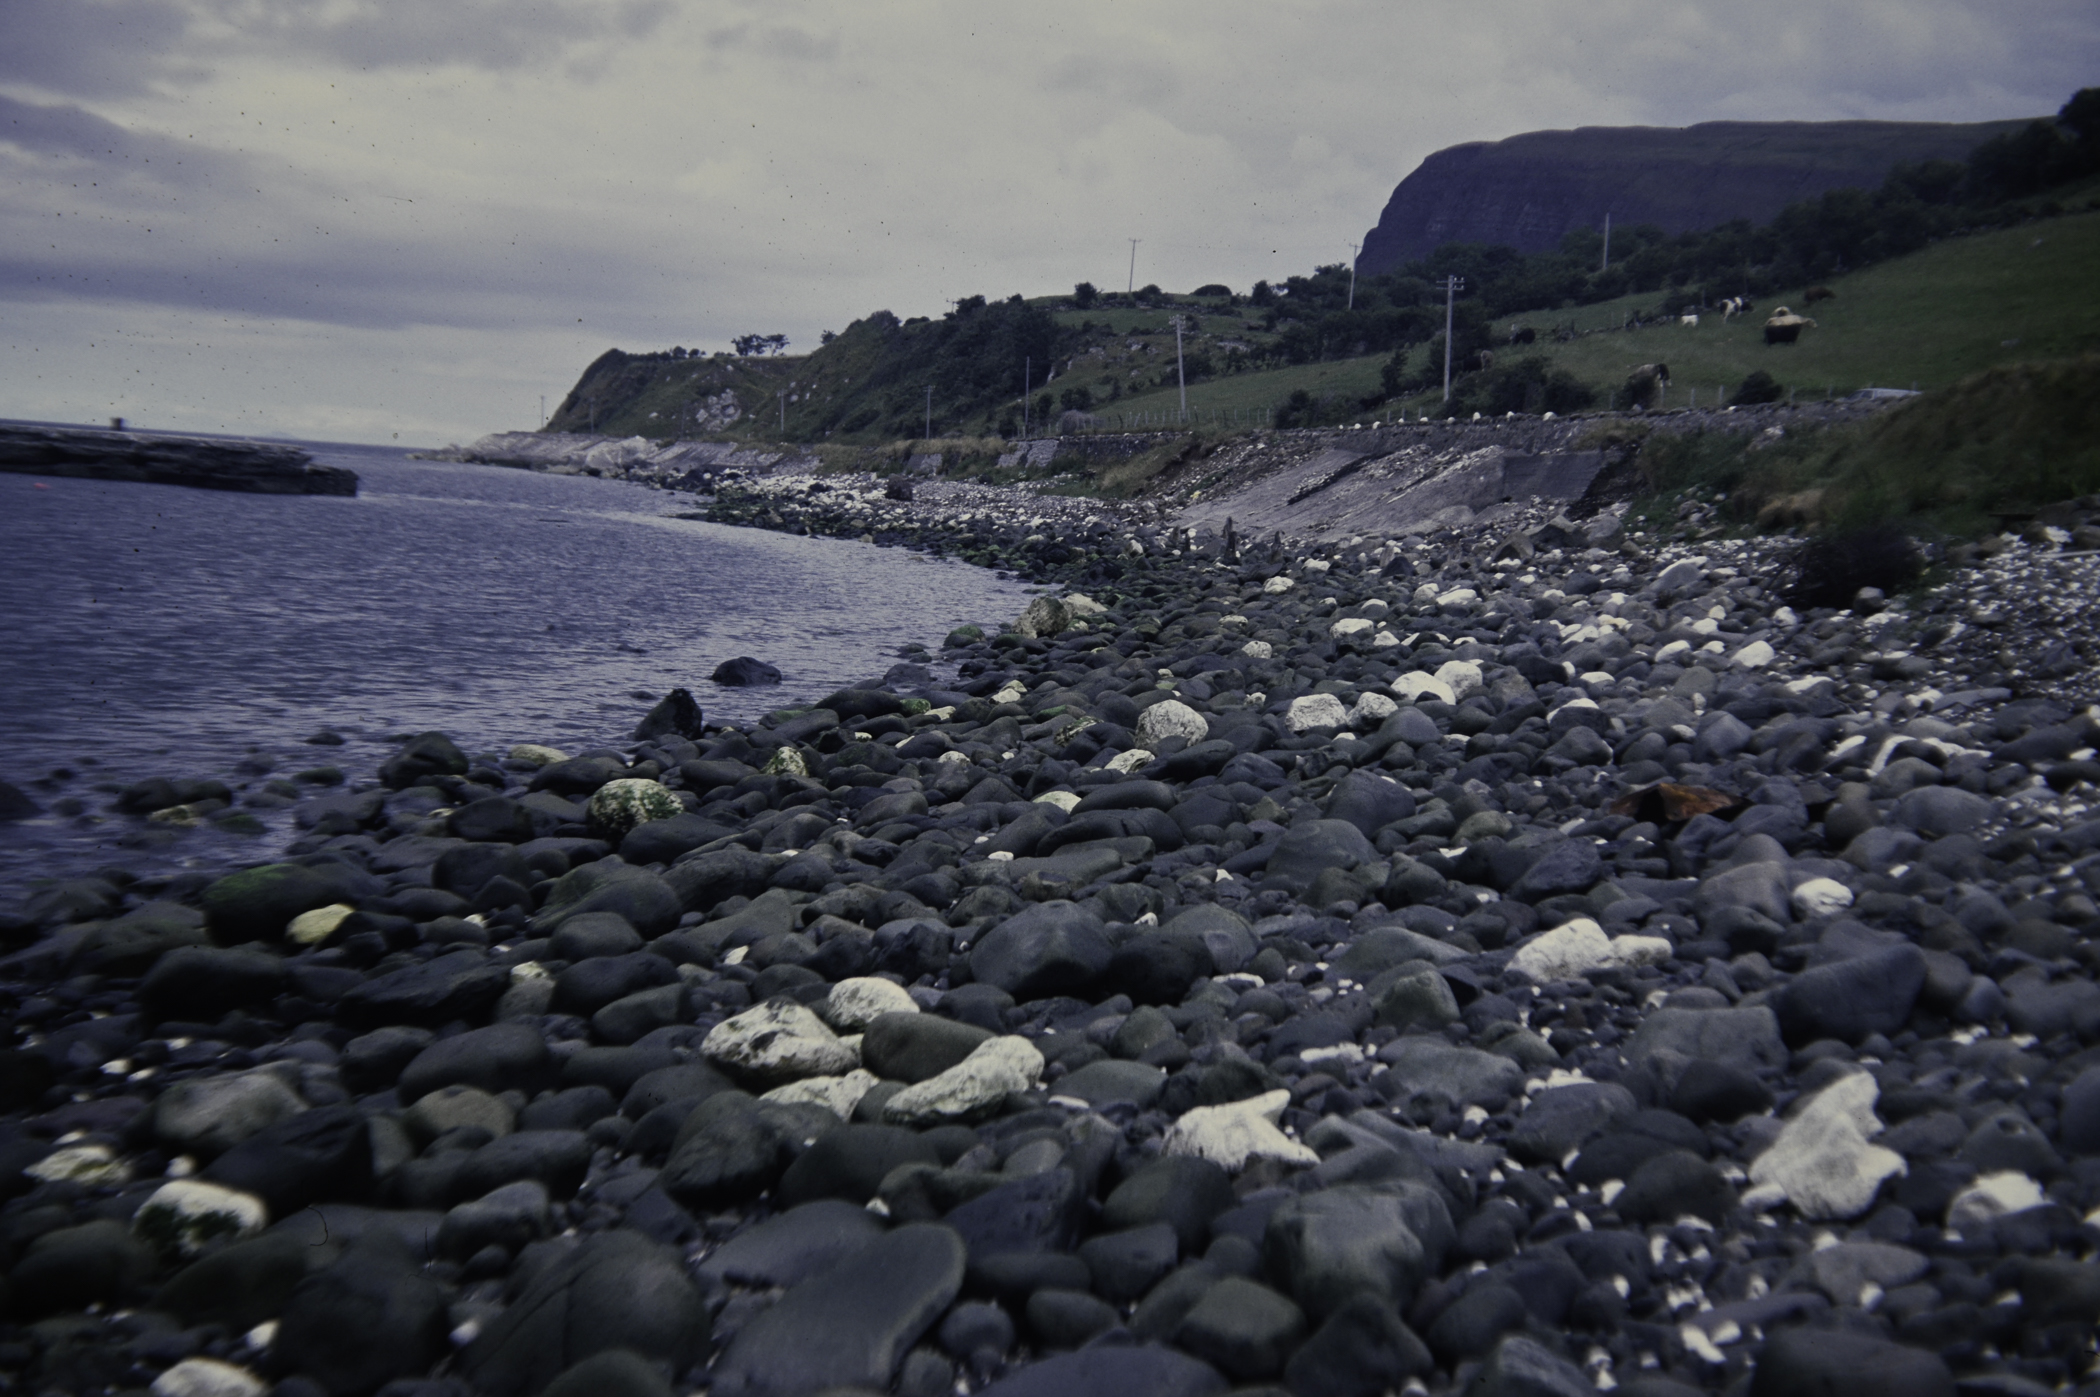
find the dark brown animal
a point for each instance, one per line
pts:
(1522, 334)
(1645, 385)
(1817, 293)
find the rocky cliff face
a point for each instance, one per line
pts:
(1530, 190)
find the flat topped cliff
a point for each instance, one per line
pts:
(204, 463)
(1530, 190)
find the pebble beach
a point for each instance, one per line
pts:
(1534, 958)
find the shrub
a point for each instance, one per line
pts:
(1830, 570)
(1298, 410)
(1531, 384)
(1084, 295)
(1759, 387)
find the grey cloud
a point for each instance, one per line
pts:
(493, 34)
(88, 48)
(49, 141)
(775, 41)
(99, 48)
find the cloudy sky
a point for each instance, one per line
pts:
(382, 220)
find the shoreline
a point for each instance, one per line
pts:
(1244, 935)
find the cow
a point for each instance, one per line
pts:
(1486, 359)
(1734, 306)
(1785, 327)
(1817, 293)
(1522, 334)
(1690, 319)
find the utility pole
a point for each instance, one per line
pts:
(929, 412)
(1132, 285)
(1452, 286)
(1352, 274)
(782, 394)
(1027, 382)
(1606, 263)
(1180, 377)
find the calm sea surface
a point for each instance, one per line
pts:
(150, 630)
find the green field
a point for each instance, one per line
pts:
(1921, 321)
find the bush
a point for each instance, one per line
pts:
(1084, 295)
(1759, 387)
(1531, 384)
(1831, 570)
(1298, 410)
(1215, 288)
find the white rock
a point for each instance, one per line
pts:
(1671, 651)
(208, 1377)
(1993, 1196)
(210, 1115)
(533, 754)
(312, 928)
(1045, 616)
(1084, 607)
(1575, 948)
(779, 1041)
(1063, 800)
(972, 1087)
(957, 757)
(1258, 650)
(786, 761)
(1371, 709)
(1457, 596)
(1819, 897)
(187, 1215)
(855, 1003)
(1461, 677)
(1756, 655)
(618, 806)
(838, 1095)
(1277, 586)
(1822, 1159)
(80, 1164)
(1417, 685)
(1236, 1132)
(1384, 640)
(1128, 761)
(1315, 711)
(1171, 718)
(1350, 625)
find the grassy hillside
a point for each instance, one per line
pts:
(1921, 321)
(1924, 321)
(2011, 438)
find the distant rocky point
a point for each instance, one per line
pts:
(204, 463)
(1530, 190)
(579, 453)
